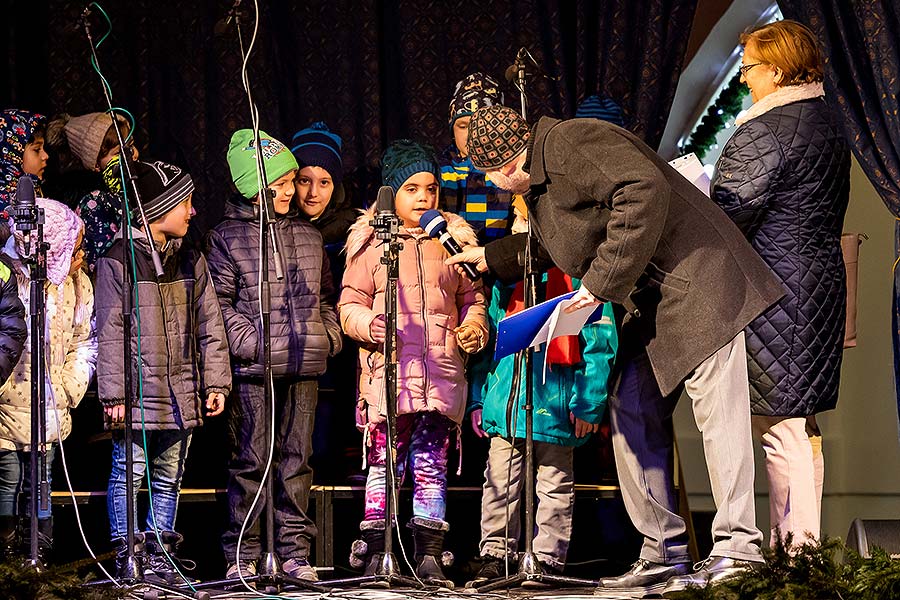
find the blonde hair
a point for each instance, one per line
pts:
(789, 46)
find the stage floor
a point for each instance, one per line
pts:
(583, 593)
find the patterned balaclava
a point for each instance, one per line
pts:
(17, 128)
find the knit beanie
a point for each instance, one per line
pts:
(600, 107)
(405, 158)
(316, 146)
(61, 229)
(497, 135)
(475, 91)
(85, 135)
(241, 157)
(162, 187)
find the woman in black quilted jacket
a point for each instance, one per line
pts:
(784, 178)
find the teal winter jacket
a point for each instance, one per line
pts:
(580, 388)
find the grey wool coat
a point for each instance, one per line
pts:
(183, 347)
(608, 210)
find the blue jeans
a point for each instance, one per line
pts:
(15, 482)
(168, 451)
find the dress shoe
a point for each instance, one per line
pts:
(712, 570)
(645, 578)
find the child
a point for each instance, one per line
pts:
(71, 356)
(321, 195)
(21, 153)
(304, 332)
(568, 407)
(92, 138)
(184, 366)
(465, 190)
(439, 312)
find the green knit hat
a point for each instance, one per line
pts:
(405, 158)
(277, 159)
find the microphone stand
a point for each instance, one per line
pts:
(529, 566)
(40, 484)
(387, 571)
(269, 571)
(133, 571)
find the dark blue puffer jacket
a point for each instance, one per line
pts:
(784, 179)
(303, 325)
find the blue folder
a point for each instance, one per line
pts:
(517, 331)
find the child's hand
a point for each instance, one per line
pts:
(116, 413)
(376, 329)
(582, 428)
(475, 419)
(470, 338)
(215, 404)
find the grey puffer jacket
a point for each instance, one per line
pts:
(182, 336)
(304, 328)
(784, 179)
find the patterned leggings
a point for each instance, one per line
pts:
(422, 441)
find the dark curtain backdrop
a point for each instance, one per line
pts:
(374, 71)
(862, 83)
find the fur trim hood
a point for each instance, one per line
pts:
(361, 232)
(781, 97)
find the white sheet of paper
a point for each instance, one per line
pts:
(561, 323)
(692, 170)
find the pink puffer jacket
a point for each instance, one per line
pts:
(432, 300)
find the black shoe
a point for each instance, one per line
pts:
(491, 568)
(126, 571)
(538, 584)
(643, 579)
(711, 571)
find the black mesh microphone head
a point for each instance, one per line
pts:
(385, 200)
(25, 192)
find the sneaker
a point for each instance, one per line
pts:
(247, 568)
(299, 568)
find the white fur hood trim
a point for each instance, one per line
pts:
(361, 232)
(781, 97)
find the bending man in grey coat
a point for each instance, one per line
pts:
(685, 283)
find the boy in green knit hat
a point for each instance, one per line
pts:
(304, 332)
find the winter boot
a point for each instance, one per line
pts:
(8, 538)
(162, 557)
(428, 535)
(366, 553)
(125, 572)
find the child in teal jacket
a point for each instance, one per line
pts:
(568, 407)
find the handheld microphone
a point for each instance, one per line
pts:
(23, 210)
(435, 225)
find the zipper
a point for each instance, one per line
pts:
(421, 278)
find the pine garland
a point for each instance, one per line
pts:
(726, 107)
(812, 572)
(54, 583)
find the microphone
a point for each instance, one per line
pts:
(23, 210)
(435, 225)
(512, 71)
(384, 203)
(222, 24)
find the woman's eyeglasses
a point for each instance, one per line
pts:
(746, 68)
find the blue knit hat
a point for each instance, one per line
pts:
(405, 158)
(600, 107)
(317, 146)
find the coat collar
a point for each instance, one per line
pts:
(534, 159)
(781, 97)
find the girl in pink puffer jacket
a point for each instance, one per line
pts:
(440, 313)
